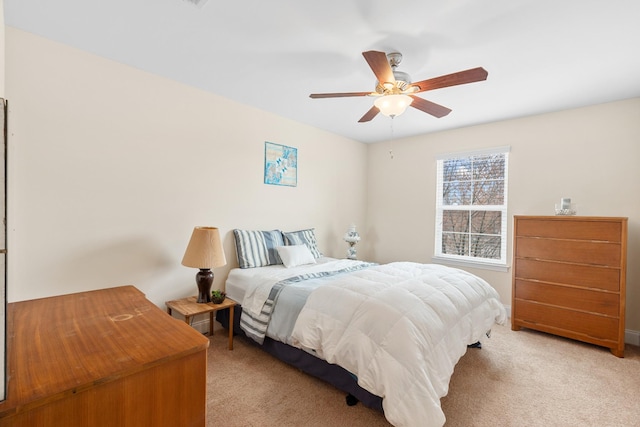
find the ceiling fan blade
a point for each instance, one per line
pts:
(429, 107)
(459, 78)
(338, 95)
(380, 66)
(369, 115)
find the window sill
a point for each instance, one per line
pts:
(471, 264)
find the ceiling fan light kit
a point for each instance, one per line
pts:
(392, 105)
(395, 91)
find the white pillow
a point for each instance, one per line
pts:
(295, 255)
(307, 237)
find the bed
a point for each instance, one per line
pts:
(389, 335)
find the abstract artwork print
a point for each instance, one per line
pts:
(280, 165)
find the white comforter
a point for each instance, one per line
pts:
(400, 328)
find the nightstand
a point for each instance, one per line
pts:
(189, 307)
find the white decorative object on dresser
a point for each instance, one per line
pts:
(569, 277)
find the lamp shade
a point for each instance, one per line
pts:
(204, 249)
(392, 105)
(352, 236)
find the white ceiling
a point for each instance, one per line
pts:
(541, 55)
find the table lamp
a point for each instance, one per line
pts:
(352, 237)
(204, 252)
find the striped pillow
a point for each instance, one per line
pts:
(257, 248)
(303, 237)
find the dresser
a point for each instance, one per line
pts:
(569, 277)
(102, 358)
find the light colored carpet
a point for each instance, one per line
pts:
(520, 378)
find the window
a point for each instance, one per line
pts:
(471, 207)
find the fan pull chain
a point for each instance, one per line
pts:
(391, 140)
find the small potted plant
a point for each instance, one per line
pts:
(217, 297)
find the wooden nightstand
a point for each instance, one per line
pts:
(188, 307)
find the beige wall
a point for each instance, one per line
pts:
(589, 154)
(112, 167)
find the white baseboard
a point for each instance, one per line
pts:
(508, 308)
(200, 322)
(201, 326)
(632, 337)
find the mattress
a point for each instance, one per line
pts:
(398, 328)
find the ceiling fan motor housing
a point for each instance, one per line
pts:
(403, 80)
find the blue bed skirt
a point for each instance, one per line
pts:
(333, 374)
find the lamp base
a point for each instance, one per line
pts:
(352, 253)
(204, 280)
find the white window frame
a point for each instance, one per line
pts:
(468, 261)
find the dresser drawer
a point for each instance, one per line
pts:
(573, 298)
(596, 253)
(570, 228)
(589, 276)
(592, 325)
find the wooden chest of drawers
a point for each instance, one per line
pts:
(101, 359)
(569, 277)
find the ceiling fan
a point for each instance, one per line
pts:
(395, 92)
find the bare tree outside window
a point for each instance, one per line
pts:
(472, 206)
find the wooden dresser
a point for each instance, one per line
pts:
(569, 277)
(102, 358)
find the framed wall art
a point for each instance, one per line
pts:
(280, 165)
